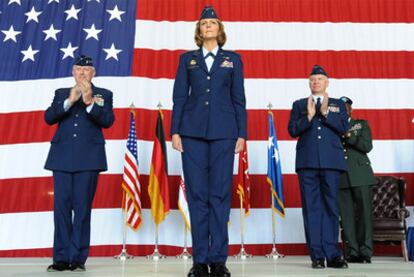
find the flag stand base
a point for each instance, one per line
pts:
(123, 255)
(243, 255)
(274, 254)
(156, 255)
(185, 255)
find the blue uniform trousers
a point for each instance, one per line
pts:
(73, 192)
(208, 173)
(320, 208)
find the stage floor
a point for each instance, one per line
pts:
(292, 266)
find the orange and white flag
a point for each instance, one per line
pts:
(183, 204)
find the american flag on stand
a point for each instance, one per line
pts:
(367, 48)
(130, 181)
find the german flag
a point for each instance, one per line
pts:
(158, 188)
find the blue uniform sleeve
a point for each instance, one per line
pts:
(56, 111)
(239, 98)
(180, 95)
(298, 122)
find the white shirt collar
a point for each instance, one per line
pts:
(315, 97)
(214, 51)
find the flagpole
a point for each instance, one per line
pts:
(185, 255)
(156, 255)
(243, 255)
(124, 254)
(274, 254)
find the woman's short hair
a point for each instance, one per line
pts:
(221, 38)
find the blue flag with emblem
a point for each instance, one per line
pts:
(274, 171)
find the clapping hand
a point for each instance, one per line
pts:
(86, 89)
(311, 108)
(324, 106)
(74, 95)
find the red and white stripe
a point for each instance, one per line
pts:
(132, 190)
(367, 47)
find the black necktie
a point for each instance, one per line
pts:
(209, 54)
(318, 105)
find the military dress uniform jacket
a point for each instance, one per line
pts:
(209, 104)
(78, 144)
(319, 145)
(356, 148)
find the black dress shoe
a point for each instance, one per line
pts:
(318, 263)
(219, 270)
(337, 262)
(58, 266)
(365, 259)
(77, 267)
(198, 270)
(353, 259)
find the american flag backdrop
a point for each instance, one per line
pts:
(367, 48)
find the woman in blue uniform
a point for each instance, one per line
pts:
(208, 127)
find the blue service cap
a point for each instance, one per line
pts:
(208, 12)
(83, 60)
(346, 100)
(316, 69)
